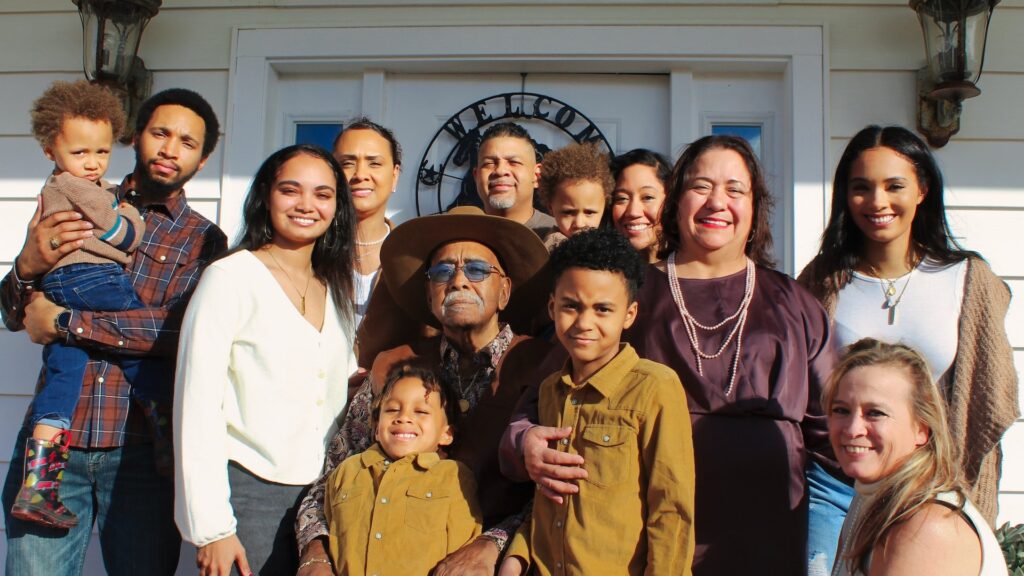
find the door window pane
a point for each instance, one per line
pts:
(320, 133)
(749, 132)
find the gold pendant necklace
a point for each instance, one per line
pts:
(889, 290)
(464, 392)
(302, 295)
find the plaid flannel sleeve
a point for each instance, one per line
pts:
(14, 295)
(151, 331)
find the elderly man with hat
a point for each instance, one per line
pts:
(457, 272)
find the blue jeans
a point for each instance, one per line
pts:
(96, 287)
(118, 489)
(829, 500)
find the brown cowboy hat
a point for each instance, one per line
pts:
(405, 257)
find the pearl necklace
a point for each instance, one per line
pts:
(691, 324)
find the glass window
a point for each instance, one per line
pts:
(749, 132)
(320, 133)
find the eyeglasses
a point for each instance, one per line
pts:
(475, 271)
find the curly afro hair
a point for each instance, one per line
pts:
(600, 249)
(447, 396)
(573, 163)
(78, 99)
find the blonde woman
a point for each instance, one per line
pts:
(911, 513)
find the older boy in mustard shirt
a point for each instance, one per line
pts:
(398, 508)
(633, 513)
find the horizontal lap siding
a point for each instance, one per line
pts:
(984, 195)
(874, 50)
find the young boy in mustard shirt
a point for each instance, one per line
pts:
(398, 508)
(633, 513)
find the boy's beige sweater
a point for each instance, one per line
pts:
(117, 230)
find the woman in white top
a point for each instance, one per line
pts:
(911, 514)
(264, 357)
(889, 268)
(371, 158)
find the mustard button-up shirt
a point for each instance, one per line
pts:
(634, 512)
(398, 517)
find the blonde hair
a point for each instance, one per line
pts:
(929, 470)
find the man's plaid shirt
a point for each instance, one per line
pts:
(177, 245)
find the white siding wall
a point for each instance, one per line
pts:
(874, 48)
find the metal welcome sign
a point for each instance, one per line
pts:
(446, 169)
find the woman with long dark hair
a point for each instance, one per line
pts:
(752, 350)
(889, 268)
(640, 176)
(265, 354)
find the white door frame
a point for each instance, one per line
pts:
(260, 54)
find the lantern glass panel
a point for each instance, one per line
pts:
(111, 32)
(954, 37)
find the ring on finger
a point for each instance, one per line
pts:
(54, 243)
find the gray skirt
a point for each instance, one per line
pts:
(265, 512)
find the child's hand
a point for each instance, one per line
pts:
(511, 567)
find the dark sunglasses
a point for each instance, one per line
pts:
(475, 271)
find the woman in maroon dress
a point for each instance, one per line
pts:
(751, 348)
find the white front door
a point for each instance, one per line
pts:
(365, 64)
(429, 111)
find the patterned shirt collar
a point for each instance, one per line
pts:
(490, 354)
(485, 362)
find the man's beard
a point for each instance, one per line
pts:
(502, 202)
(148, 185)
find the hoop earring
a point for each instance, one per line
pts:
(268, 233)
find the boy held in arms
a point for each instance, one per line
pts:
(633, 513)
(576, 186)
(76, 124)
(399, 508)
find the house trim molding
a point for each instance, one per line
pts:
(259, 55)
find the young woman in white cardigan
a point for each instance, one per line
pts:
(264, 358)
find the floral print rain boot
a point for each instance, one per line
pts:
(39, 498)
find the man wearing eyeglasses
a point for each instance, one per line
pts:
(462, 272)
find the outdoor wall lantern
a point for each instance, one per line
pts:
(111, 31)
(955, 32)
